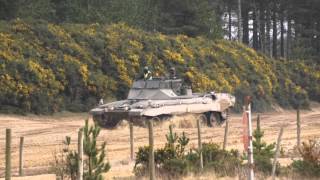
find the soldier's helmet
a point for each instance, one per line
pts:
(172, 73)
(146, 69)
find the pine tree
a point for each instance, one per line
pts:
(71, 166)
(245, 8)
(8, 9)
(262, 152)
(274, 29)
(96, 156)
(255, 26)
(183, 142)
(171, 137)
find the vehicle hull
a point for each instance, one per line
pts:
(111, 114)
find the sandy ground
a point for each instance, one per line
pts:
(44, 135)
(36, 177)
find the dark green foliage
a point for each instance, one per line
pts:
(175, 167)
(8, 9)
(142, 161)
(193, 18)
(96, 156)
(171, 137)
(174, 161)
(169, 160)
(182, 143)
(188, 17)
(310, 164)
(306, 168)
(262, 153)
(224, 163)
(71, 159)
(172, 17)
(66, 162)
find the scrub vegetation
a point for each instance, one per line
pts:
(47, 68)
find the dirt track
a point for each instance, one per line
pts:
(44, 135)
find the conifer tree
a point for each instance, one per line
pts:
(71, 159)
(183, 142)
(96, 156)
(171, 137)
(262, 152)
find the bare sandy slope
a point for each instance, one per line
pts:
(44, 135)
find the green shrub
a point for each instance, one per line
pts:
(263, 153)
(169, 160)
(310, 163)
(66, 162)
(174, 161)
(175, 167)
(224, 163)
(142, 161)
(306, 168)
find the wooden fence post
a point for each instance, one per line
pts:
(131, 140)
(276, 153)
(80, 154)
(298, 128)
(200, 143)
(225, 140)
(151, 151)
(258, 123)
(8, 154)
(21, 157)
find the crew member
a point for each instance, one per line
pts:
(172, 73)
(146, 73)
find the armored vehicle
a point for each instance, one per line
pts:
(160, 99)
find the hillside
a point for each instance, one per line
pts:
(47, 68)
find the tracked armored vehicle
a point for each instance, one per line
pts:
(160, 99)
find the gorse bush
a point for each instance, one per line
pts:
(46, 68)
(175, 160)
(310, 163)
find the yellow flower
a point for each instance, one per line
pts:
(176, 57)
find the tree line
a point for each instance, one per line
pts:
(278, 28)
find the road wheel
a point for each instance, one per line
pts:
(97, 118)
(108, 122)
(225, 114)
(156, 121)
(139, 121)
(143, 121)
(213, 119)
(203, 119)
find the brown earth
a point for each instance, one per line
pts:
(44, 135)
